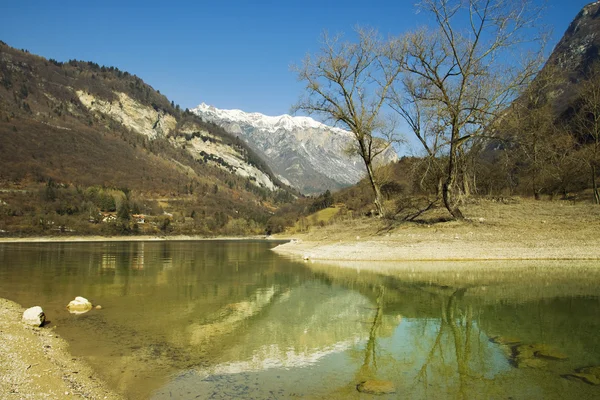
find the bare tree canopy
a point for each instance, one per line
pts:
(347, 83)
(586, 122)
(459, 76)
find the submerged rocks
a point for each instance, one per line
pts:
(589, 375)
(79, 306)
(522, 355)
(535, 355)
(504, 340)
(34, 316)
(549, 353)
(376, 387)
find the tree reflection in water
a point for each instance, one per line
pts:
(248, 319)
(368, 369)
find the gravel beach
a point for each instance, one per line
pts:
(35, 363)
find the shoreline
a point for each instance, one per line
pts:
(519, 230)
(36, 363)
(142, 238)
(375, 251)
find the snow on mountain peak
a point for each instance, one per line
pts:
(269, 123)
(308, 154)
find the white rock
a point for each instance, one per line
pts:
(79, 306)
(34, 316)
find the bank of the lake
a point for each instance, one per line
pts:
(519, 229)
(123, 238)
(231, 319)
(35, 363)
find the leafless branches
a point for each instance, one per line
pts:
(457, 78)
(347, 83)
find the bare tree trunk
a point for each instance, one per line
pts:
(536, 189)
(376, 190)
(449, 188)
(440, 187)
(534, 181)
(595, 186)
(466, 186)
(464, 175)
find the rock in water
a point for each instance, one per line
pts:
(79, 306)
(376, 387)
(534, 355)
(504, 340)
(34, 316)
(590, 375)
(550, 353)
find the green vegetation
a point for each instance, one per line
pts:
(485, 131)
(52, 209)
(65, 169)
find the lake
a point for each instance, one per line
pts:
(231, 319)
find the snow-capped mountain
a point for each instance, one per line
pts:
(304, 153)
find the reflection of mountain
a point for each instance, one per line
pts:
(306, 324)
(166, 306)
(229, 318)
(225, 317)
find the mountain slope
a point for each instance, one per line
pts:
(574, 55)
(80, 125)
(307, 154)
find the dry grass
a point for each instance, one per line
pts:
(515, 229)
(319, 218)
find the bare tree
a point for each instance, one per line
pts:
(587, 124)
(347, 83)
(461, 75)
(530, 125)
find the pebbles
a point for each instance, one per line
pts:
(36, 364)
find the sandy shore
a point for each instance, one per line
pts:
(524, 230)
(469, 249)
(35, 363)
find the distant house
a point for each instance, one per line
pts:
(109, 217)
(139, 218)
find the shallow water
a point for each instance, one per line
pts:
(223, 319)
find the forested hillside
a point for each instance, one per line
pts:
(83, 143)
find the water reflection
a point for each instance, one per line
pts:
(233, 320)
(109, 261)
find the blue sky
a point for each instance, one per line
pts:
(231, 54)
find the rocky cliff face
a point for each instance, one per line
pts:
(577, 51)
(51, 100)
(126, 111)
(204, 146)
(580, 44)
(304, 153)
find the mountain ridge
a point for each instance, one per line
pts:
(306, 154)
(75, 133)
(271, 123)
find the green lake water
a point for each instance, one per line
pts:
(231, 319)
